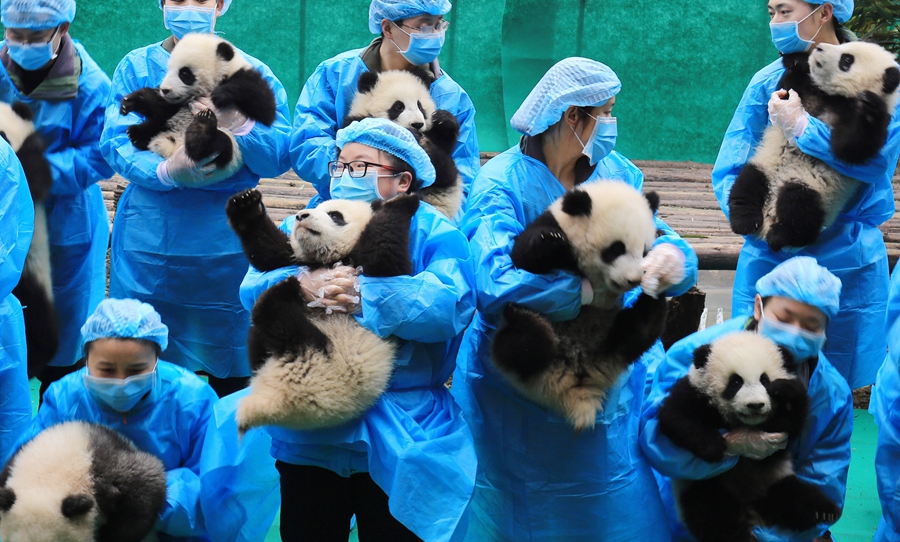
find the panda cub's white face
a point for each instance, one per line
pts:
(398, 96)
(851, 68)
(736, 374)
(329, 232)
(199, 63)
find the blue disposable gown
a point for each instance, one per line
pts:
(76, 214)
(325, 101)
(16, 228)
(413, 442)
(169, 423)
(537, 480)
(821, 454)
(172, 247)
(240, 483)
(852, 248)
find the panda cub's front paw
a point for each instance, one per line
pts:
(245, 206)
(140, 101)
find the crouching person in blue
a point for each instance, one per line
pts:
(163, 408)
(794, 303)
(406, 468)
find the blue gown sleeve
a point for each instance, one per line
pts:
(79, 163)
(887, 456)
(491, 225)
(466, 154)
(315, 127)
(816, 142)
(16, 220)
(265, 148)
(691, 262)
(437, 302)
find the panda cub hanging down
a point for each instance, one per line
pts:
(313, 369)
(741, 379)
(81, 482)
(35, 289)
(200, 65)
(787, 197)
(403, 97)
(601, 231)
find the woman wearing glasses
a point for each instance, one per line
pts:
(412, 34)
(406, 469)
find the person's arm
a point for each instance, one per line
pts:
(434, 304)
(266, 148)
(315, 127)
(691, 263)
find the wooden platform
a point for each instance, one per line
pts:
(688, 206)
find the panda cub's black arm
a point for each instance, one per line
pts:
(688, 419)
(36, 168)
(383, 247)
(542, 247)
(790, 406)
(247, 91)
(267, 247)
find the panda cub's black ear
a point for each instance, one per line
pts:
(653, 201)
(577, 203)
(891, 80)
(225, 51)
(366, 83)
(77, 505)
(7, 498)
(701, 355)
(22, 109)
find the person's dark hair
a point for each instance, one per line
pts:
(843, 35)
(401, 165)
(152, 344)
(582, 112)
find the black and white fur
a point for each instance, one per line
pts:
(200, 65)
(35, 288)
(313, 369)
(787, 197)
(601, 231)
(80, 482)
(741, 379)
(404, 97)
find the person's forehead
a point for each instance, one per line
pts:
(358, 151)
(424, 18)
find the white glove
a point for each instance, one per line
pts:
(663, 268)
(788, 114)
(754, 444)
(228, 119)
(335, 289)
(179, 170)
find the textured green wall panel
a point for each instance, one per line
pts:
(683, 65)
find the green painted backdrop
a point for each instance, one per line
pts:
(683, 64)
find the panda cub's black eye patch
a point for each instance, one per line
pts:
(846, 61)
(734, 385)
(764, 379)
(422, 109)
(613, 251)
(187, 76)
(337, 218)
(396, 109)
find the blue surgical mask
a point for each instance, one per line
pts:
(423, 48)
(32, 56)
(786, 36)
(602, 139)
(184, 20)
(356, 188)
(120, 395)
(801, 343)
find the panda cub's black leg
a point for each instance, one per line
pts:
(747, 199)
(800, 217)
(712, 514)
(525, 344)
(637, 328)
(280, 322)
(266, 247)
(203, 139)
(35, 166)
(794, 504)
(41, 328)
(247, 91)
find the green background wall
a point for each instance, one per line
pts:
(683, 64)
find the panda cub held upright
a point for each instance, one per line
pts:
(79, 482)
(403, 97)
(601, 231)
(313, 369)
(35, 288)
(741, 379)
(787, 197)
(200, 65)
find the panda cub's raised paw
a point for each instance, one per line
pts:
(244, 207)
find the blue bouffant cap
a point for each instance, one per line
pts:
(125, 319)
(843, 9)
(803, 279)
(395, 10)
(36, 14)
(391, 138)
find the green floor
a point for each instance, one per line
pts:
(861, 511)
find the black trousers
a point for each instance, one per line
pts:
(317, 504)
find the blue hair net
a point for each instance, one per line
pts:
(571, 81)
(843, 9)
(392, 138)
(802, 278)
(225, 6)
(395, 10)
(36, 14)
(125, 319)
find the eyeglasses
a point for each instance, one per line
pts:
(356, 168)
(440, 27)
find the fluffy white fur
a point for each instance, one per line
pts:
(316, 237)
(197, 53)
(397, 86)
(749, 356)
(15, 129)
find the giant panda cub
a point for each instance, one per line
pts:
(601, 231)
(313, 369)
(200, 65)
(404, 98)
(787, 197)
(35, 289)
(741, 379)
(81, 482)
